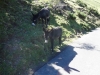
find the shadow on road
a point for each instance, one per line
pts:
(86, 46)
(62, 61)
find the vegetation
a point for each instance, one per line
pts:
(94, 11)
(72, 16)
(81, 3)
(93, 4)
(22, 45)
(82, 15)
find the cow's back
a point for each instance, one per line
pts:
(56, 32)
(44, 13)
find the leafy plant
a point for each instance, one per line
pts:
(72, 16)
(82, 15)
(80, 3)
(85, 27)
(94, 11)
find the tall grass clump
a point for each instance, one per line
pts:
(94, 11)
(80, 3)
(85, 27)
(82, 15)
(71, 16)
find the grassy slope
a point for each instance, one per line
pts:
(22, 45)
(93, 3)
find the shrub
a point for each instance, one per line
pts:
(80, 3)
(94, 11)
(85, 27)
(82, 15)
(72, 16)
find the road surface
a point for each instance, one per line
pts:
(82, 57)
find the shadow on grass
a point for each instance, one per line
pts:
(15, 18)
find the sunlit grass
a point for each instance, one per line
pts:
(93, 3)
(60, 20)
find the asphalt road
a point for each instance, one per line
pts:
(82, 57)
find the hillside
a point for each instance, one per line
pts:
(22, 45)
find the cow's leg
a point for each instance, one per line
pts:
(42, 23)
(48, 19)
(46, 22)
(60, 40)
(52, 43)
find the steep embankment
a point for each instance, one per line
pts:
(22, 45)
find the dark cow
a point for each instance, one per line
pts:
(52, 34)
(43, 14)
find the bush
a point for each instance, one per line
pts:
(94, 11)
(72, 16)
(82, 15)
(85, 27)
(80, 3)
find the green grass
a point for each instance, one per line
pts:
(93, 3)
(81, 3)
(23, 44)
